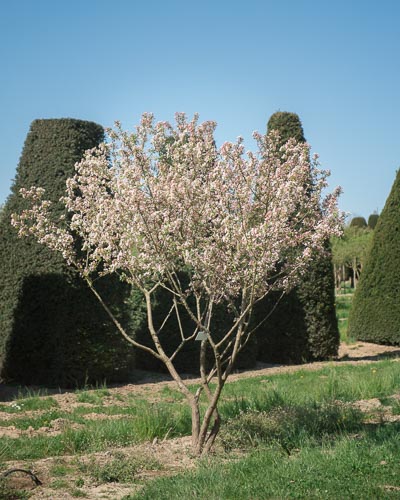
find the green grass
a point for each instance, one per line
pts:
(290, 426)
(296, 432)
(352, 467)
(8, 493)
(60, 469)
(29, 404)
(344, 383)
(120, 468)
(343, 306)
(149, 421)
(34, 421)
(143, 421)
(94, 397)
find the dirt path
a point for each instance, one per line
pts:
(358, 353)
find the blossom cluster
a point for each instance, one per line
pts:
(165, 197)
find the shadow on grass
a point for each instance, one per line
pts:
(375, 357)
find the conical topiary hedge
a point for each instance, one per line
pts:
(303, 327)
(373, 220)
(52, 330)
(359, 222)
(375, 314)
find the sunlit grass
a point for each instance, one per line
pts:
(140, 420)
(352, 466)
(343, 306)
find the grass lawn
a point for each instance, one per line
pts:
(343, 306)
(304, 434)
(363, 465)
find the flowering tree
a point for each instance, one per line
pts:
(164, 199)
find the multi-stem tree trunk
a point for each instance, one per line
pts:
(204, 430)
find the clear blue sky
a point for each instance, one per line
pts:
(335, 63)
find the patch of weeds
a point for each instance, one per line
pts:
(261, 401)
(29, 404)
(60, 469)
(396, 407)
(80, 482)
(27, 393)
(76, 492)
(118, 396)
(43, 420)
(120, 468)
(96, 435)
(289, 426)
(8, 493)
(386, 401)
(172, 394)
(58, 484)
(93, 397)
(105, 410)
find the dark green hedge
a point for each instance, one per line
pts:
(288, 125)
(303, 327)
(375, 314)
(358, 222)
(373, 220)
(52, 330)
(187, 361)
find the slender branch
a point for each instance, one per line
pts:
(165, 320)
(184, 341)
(118, 324)
(178, 317)
(161, 353)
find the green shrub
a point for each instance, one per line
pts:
(375, 315)
(52, 330)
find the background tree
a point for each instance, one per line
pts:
(52, 330)
(239, 226)
(375, 314)
(350, 252)
(303, 326)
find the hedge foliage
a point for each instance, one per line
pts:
(288, 125)
(52, 330)
(303, 326)
(188, 359)
(373, 220)
(375, 314)
(358, 222)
